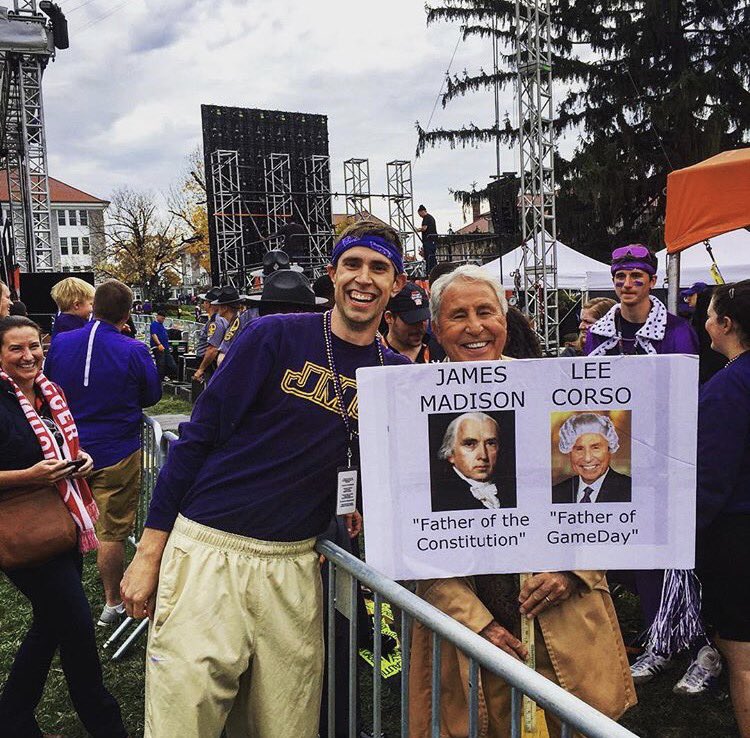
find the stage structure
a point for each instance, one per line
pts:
(273, 170)
(269, 169)
(28, 39)
(537, 141)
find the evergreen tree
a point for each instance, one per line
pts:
(650, 86)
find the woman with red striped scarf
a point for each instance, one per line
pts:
(38, 442)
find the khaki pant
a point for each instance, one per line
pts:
(237, 638)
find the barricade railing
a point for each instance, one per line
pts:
(346, 575)
(154, 447)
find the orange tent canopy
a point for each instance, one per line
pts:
(708, 199)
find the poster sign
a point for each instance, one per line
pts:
(529, 465)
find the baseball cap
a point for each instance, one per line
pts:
(411, 304)
(696, 289)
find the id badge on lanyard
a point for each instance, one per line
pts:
(346, 488)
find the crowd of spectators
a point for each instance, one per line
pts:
(226, 567)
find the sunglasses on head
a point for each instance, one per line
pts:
(635, 250)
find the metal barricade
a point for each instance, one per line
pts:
(346, 573)
(154, 447)
(573, 712)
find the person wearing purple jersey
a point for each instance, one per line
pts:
(246, 489)
(640, 325)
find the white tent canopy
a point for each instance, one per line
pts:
(572, 267)
(731, 251)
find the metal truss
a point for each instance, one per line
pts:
(230, 242)
(34, 163)
(12, 143)
(401, 204)
(278, 190)
(536, 115)
(25, 7)
(318, 200)
(357, 187)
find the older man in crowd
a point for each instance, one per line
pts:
(590, 439)
(578, 642)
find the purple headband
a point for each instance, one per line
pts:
(376, 243)
(634, 264)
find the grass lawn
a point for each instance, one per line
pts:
(660, 714)
(170, 405)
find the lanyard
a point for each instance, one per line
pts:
(351, 431)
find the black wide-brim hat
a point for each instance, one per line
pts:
(210, 295)
(228, 295)
(289, 287)
(274, 261)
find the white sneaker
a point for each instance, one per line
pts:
(648, 665)
(702, 674)
(111, 615)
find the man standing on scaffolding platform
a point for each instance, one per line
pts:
(429, 238)
(236, 637)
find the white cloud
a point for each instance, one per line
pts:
(123, 103)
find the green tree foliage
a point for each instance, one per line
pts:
(646, 85)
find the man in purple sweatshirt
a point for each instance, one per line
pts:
(108, 378)
(640, 325)
(236, 635)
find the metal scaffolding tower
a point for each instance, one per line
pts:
(230, 251)
(278, 191)
(318, 202)
(401, 203)
(536, 115)
(357, 187)
(23, 56)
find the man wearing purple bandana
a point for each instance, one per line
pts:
(235, 513)
(640, 325)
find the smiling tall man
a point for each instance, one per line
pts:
(640, 324)
(236, 637)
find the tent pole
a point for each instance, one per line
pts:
(673, 282)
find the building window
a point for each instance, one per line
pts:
(74, 248)
(61, 217)
(85, 244)
(72, 217)
(66, 268)
(63, 246)
(83, 217)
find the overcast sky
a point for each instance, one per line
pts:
(123, 102)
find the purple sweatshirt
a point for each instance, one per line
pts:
(67, 322)
(724, 443)
(260, 452)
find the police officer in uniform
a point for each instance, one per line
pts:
(210, 337)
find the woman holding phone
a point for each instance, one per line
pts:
(39, 447)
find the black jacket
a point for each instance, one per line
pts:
(452, 493)
(616, 488)
(19, 446)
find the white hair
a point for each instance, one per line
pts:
(449, 439)
(467, 273)
(578, 425)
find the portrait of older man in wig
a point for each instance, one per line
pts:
(470, 451)
(590, 440)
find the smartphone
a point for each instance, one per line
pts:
(76, 464)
